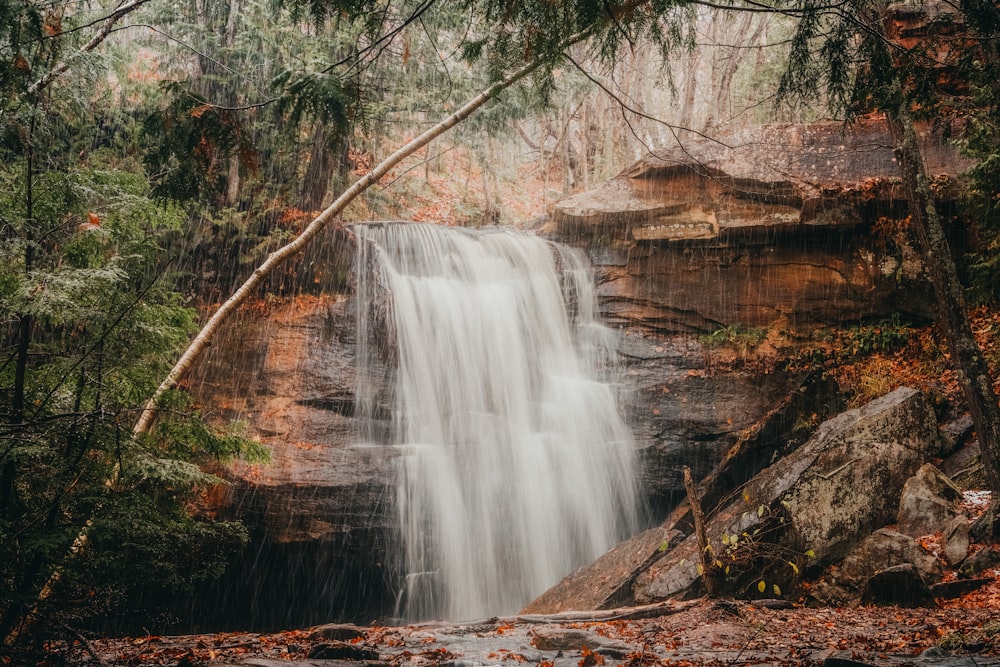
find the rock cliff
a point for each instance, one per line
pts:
(786, 225)
(786, 228)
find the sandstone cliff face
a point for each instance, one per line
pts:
(321, 513)
(773, 230)
(772, 226)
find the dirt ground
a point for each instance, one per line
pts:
(964, 631)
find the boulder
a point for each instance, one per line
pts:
(897, 585)
(886, 548)
(954, 435)
(882, 550)
(823, 498)
(929, 501)
(986, 558)
(955, 540)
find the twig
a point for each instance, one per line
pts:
(707, 564)
(87, 645)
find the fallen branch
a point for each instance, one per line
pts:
(87, 645)
(655, 610)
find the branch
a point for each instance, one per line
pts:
(278, 257)
(94, 42)
(673, 128)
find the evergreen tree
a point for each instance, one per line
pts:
(90, 321)
(865, 64)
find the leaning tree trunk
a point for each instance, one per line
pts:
(24, 625)
(967, 357)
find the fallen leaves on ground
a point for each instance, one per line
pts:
(734, 633)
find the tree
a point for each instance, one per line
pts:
(89, 319)
(865, 67)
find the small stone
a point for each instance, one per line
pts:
(342, 651)
(341, 632)
(561, 639)
(898, 585)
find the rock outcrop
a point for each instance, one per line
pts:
(321, 513)
(783, 228)
(765, 226)
(821, 500)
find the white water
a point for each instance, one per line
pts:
(516, 467)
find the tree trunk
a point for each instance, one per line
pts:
(690, 88)
(967, 357)
(319, 171)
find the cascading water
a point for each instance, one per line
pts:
(515, 464)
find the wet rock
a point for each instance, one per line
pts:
(955, 435)
(554, 638)
(561, 639)
(343, 651)
(342, 632)
(928, 502)
(949, 590)
(898, 585)
(955, 540)
(825, 497)
(985, 559)
(882, 550)
(886, 548)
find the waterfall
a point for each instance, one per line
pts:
(515, 466)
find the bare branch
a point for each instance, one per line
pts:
(94, 42)
(331, 213)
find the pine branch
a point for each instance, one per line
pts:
(94, 42)
(321, 221)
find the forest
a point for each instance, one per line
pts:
(169, 168)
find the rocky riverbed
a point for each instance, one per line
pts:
(706, 631)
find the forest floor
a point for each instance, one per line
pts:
(709, 632)
(960, 632)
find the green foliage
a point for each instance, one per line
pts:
(735, 333)
(981, 195)
(189, 143)
(89, 324)
(885, 336)
(741, 337)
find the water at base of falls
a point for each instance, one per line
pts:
(515, 466)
